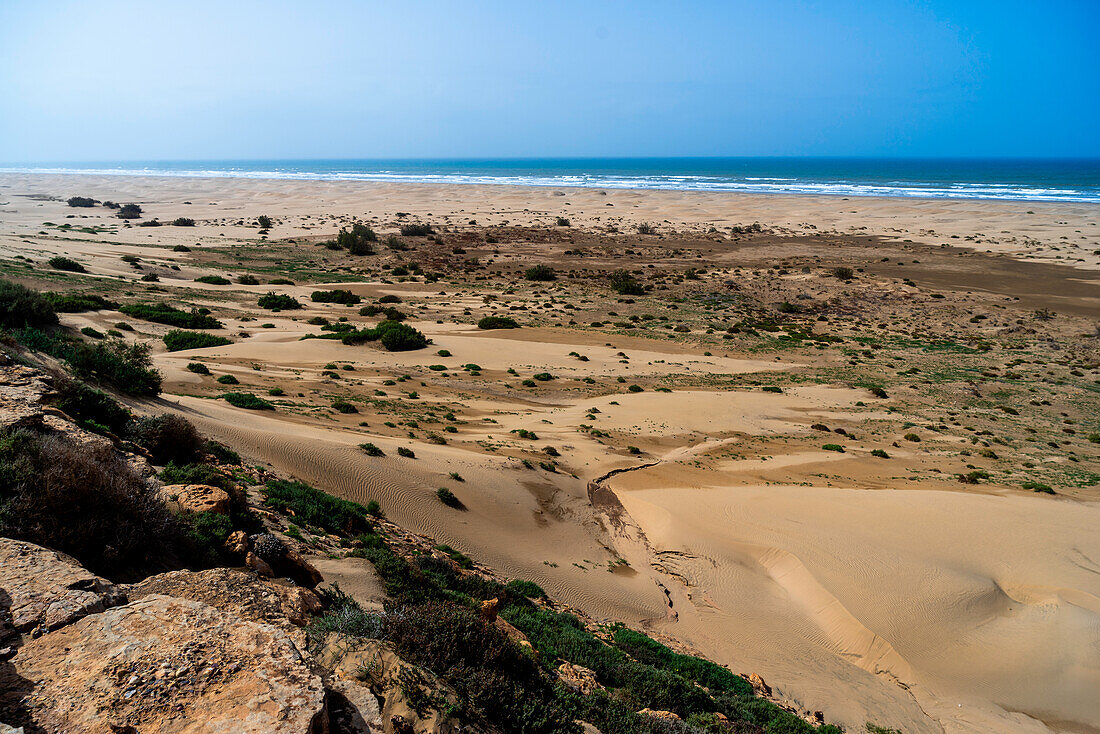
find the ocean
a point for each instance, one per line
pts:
(1071, 180)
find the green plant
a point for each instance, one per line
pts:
(833, 447)
(129, 211)
(528, 589)
(344, 297)
(77, 302)
(248, 280)
(625, 284)
(183, 222)
(416, 230)
(448, 498)
(405, 452)
(213, 280)
(880, 453)
(228, 380)
(315, 508)
(343, 406)
(497, 322)
(65, 263)
(247, 400)
(540, 272)
(278, 302)
(198, 368)
(22, 307)
(91, 332)
(162, 313)
(178, 340)
(371, 450)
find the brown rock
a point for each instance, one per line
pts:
(258, 565)
(301, 570)
(242, 594)
(237, 542)
(656, 714)
(163, 666)
(196, 498)
(579, 678)
(759, 686)
(46, 590)
(489, 609)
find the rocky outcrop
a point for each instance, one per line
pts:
(163, 665)
(383, 691)
(239, 593)
(42, 590)
(579, 678)
(196, 498)
(270, 554)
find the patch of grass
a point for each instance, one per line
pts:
(315, 508)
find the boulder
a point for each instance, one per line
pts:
(282, 560)
(759, 686)
(42, 590)
(242, 594)
(662, 715)
(370, 675)
(579, 678)
(196, 498)
(163, 665)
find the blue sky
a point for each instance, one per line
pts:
(440, 78)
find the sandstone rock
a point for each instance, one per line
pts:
(196, 498)
(489, 609)
(42, 589)
(237, 542)
(663, 715)
(163, 665)
(360, 666)
(579, 678)
(242, 594)
(259, 565)
(284, 561)
(759, 686)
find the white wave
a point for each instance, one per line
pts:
(676, 182)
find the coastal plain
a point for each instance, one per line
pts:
(848, 445)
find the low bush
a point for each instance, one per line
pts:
(162, 313)
(497, 322)
(229, 380)
(213, 280)
(168, 438)
(416, 230)
(343, 406)
(247, 401)
(405, 452)
(90, 408)
(335, 296)
(357, 241)
(625, 284)
(278, 302)
(371, 450)
(22, 307)
(78, 302)
(126, 366)
(87, 501)
(540, 273)
(194, 473)
(316, 508)
(198, 368)
(528, 589)
(843, 273)
(80, 201)
(129, 211)
(394, 337)
(183, 222)
(177, 340)
(66, 263)
(248, 280)
(448, 498)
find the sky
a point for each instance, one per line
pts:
(242, 79)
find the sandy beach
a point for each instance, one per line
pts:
(732, 503)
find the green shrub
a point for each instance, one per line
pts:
(168, 438)
(90, 408)
(248, 280)
(177, 340)
(129, 211)
(193, 473)
(343, 406)
(247, 400)
(394, 336)
(278, 302)
(1038, 487)
(357, 240)
(833, 447)
(316, 508)
(636, 388)
(371, 450)
(80, 201)
(497, 322)
(22, 307)
(78, 302)
(65, 263)
(625, 284)
(448, 498)
(91, 332)
(198, 368)
(880, 453)
(87, 501)
(540, 273)
(162, 313)
(335, 296)
(416, 230)
(528, 589)
(213, 280)
(390, 298)
(843, 273)
(229, 380)
(183, 222)
(126, 366)
(264, 221)
(406, 452)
